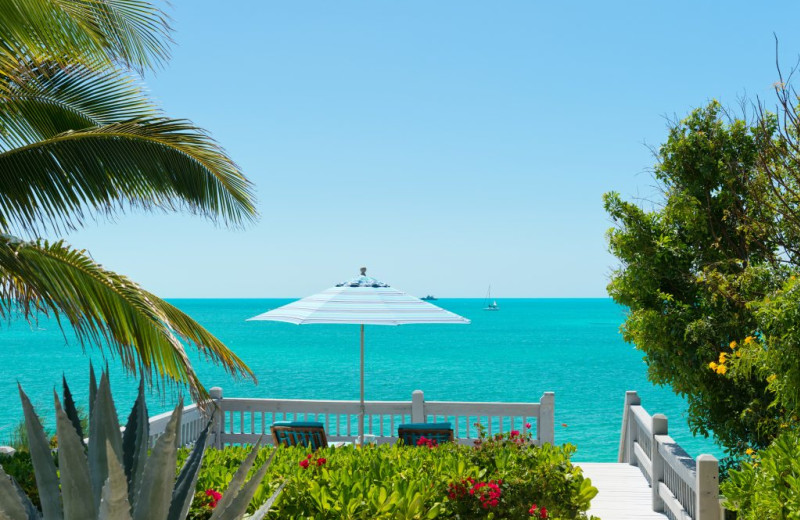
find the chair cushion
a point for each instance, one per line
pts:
(299, 424)
(425, 426)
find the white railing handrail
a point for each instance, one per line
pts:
(687, 488)
(244, 420)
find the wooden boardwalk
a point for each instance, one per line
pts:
(623, 492)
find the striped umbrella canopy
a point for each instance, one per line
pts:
(361, 301)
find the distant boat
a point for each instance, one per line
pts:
(489, 304)
(430, 298)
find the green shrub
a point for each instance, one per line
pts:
(396, 481)
(768, 486)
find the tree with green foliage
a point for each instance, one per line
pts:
(693, 269)
(79, 140)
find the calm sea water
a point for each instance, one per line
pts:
(569, 346)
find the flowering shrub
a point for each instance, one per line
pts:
(501, 478)
(470, 496)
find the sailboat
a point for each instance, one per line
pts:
(489, 304)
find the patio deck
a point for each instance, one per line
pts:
(686, 489)
(622, 492)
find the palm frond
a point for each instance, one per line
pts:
(45, 99)
(106, 309)
(151, 164)
(133, 33)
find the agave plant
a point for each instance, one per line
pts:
(114, 476)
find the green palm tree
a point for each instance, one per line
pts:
(79, 139)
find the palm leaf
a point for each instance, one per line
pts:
(131, 32)
(107, 309)
(153, 163)
(44, 99)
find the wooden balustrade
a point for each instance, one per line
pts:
(244, 421)
(683, 488)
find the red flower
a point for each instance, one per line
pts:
(514, 433)
(528, 425)
(309, 456)
(321, 461)
(304, 463)
(215, 497)
(542, 511)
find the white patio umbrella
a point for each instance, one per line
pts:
(361, 301)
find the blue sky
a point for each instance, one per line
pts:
(446, 145)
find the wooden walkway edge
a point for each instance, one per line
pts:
(622, 492)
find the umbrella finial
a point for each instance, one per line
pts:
(363, 271)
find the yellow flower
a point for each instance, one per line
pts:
(749, 451)
(784, 425)
(733, 344)
(791, 277)
(721, 369)
(712, 365)
(772, 378)
(738, 353)
(723, 357)
(749, 339)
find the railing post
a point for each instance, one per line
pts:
(625, 442)
(659, 427)
(417, 407)
(546, 423)
(707, 493)
(218, 425)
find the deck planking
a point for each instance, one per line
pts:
(622, 492)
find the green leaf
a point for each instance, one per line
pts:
(135, 442)
(105, 308)
(43, 466)
(154, 163)
(74, 469)
(114, 504)
(158, 479)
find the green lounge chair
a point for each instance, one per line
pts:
(304, 433)
(410, 433)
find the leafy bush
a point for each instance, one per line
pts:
(769, 485)
(507, 476)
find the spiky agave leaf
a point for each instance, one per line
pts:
(103, 429)
(238, 506)
(105, 308)
(155, 492)
(11, 504)
(92, 391)
(262, 511)
(183, 493)
(43, 466)
(74, 469)
(236, 481)
(114, 503)
(135, 442)
(151, 164)
(71, 410)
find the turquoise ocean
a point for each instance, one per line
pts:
(569, 346)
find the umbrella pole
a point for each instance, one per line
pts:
(361, 426)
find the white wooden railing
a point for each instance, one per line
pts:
(243, 421)
(683, 488)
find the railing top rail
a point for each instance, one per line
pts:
(676, 457)
(643, 418)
